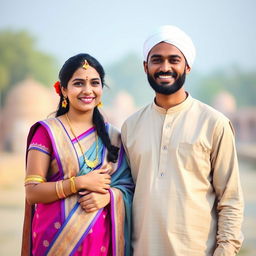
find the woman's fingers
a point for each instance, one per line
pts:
(90, 204)
(84, 199)
(89, 207)
(93, 209)
(97, 181)
(94, 201)
(103, 191)
(107, 180)
(84, 192)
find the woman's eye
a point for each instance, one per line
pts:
(78, 84)
(95, 83)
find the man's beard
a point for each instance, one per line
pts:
(166, 88)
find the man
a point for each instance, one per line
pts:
(188, 199)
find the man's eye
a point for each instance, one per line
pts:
(174, 61)
(156, 61)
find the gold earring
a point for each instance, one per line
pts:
(100, 104)
(64, 102)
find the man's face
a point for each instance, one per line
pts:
(166, 68)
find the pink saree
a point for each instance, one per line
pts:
(63, 227)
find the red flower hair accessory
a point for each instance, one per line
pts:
(57, 87)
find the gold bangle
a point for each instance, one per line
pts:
(40, 180)
(57, 189)
(34, 179)
(29, 177)
(62, 189)
(73, 185)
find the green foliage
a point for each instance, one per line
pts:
(242, 85)
(209, 86)
(19, 59)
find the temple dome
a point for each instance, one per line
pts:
(29, 101)
(225, 102)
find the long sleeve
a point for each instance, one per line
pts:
(226, 182)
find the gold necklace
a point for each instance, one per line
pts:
(91, 164)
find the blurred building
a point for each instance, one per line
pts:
(28, 102)
(225, 103)
(243, 119)
(122, 106)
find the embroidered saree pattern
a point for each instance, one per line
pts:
(66, 225)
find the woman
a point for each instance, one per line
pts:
(78, 184)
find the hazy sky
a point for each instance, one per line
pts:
(223, 30)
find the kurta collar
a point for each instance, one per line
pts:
(185, 104)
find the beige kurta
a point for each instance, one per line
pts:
(188, 198)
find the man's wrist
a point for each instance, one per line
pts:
(225, 249)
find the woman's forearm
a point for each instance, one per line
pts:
(47, 192)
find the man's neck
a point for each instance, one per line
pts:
(169, 101)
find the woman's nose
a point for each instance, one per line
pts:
(87, 88)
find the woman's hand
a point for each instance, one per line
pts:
(92, 201)
(97, 181)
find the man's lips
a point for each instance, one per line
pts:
(166, 75)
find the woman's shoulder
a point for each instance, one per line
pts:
(49, 120)
(44, 121)
(42, 126)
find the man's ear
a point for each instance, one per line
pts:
(145, 64)
(188, 68)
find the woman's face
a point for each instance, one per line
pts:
(84, 89)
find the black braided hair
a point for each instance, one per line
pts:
(99, 123)
(65, 74)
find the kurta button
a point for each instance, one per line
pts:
(164, 147)
(162, 174)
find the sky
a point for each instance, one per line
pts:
(222, 30)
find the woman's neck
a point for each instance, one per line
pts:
(80, 121)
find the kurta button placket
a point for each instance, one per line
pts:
(166, 134)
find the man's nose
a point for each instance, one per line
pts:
(166, 66)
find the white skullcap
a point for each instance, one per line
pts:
(172, 35)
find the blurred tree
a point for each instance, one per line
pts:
(209, 86)
(242, 85)
(19, 59)
(128, 75)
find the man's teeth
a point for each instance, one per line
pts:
(165, 77)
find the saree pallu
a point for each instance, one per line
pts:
(63, 227)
